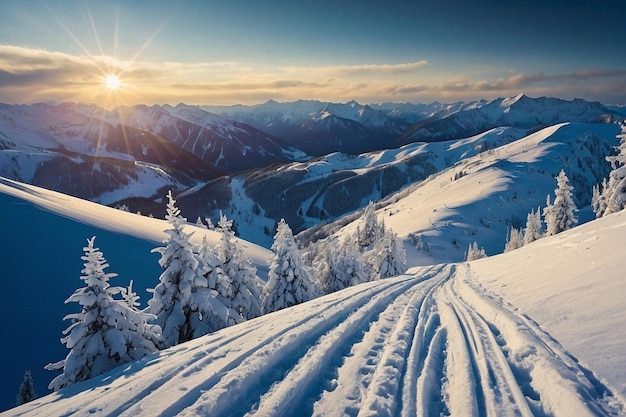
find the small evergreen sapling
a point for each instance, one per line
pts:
(514, 240)
(27, 390)
(533, 226)
(474, 252)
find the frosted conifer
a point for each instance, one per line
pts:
(183, 304)
(474, 252)
(339, 265)
(514, 240)
(236, 282)
(598, 198)
(560, 216)
(143, 336)
(388, 258)
(290, 282)
(369, 230)
(533, 226)
(27, 390)
(99, 337)
(615, 191)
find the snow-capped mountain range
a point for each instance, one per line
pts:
(132, 155)
(519, 111)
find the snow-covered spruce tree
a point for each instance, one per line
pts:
(200, 223)
(324, 263)
(514, 239)
(474, 252)
(533, 226)
(236, 280)
(388, 258)
(142, 334)
(598, 198)
(27, 390)
(615, 191)
(560, 216)
(183, 304)
(289, 282)
(101, 336)
(209, 265)
(369, 230)
(339, 265)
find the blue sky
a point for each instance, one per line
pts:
(242, 51)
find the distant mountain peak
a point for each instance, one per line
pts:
(512, 100)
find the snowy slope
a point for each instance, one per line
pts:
(460, 339)
(482, 196)
(43, 234)
(106, 218)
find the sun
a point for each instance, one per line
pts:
(112, 82)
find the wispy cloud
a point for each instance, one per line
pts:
(28, 74)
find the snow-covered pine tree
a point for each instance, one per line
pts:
(598, 198)
(209, 266)
(349, 264)
(236, 281)
(27, 390)
(289, 282)
(514, 240)
(98, 338)
(533, 226)
(324, 263)
(560, 216)
(339, 265)
(183, 304)
(142, 335)
(615, 192)
(369, 230)
(200, 223)
(388, 258)
(474, 252)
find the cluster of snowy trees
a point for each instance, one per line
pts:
(558, 216)
(373, 252)
(203, 289)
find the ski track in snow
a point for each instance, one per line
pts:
(436, 343)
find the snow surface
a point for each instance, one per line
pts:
(492, 337)
(535, 331)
